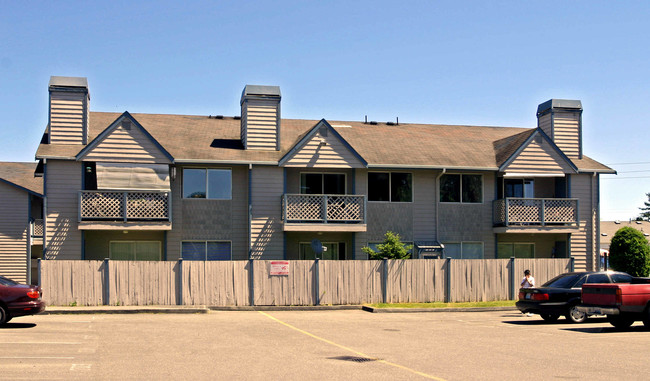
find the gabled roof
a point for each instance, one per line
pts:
(199, 139)
(21, 175)
(322, 131)
(135, 138)
(533, 156)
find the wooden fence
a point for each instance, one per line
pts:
(246, 283)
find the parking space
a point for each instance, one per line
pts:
(320, 345)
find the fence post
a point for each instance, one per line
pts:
(384, 281)
(251, 283)
(448, 281)
(317, 281)
(180, 281)
(107, 283)
(573, 264)
(513, 279)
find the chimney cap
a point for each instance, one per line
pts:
(68, 82)
(559, 103)
(261, 91)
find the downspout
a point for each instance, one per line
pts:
(250, 210)
(595, 199)
(437, 185)
(44, 254)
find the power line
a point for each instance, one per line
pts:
(640, 162)
(624, 178)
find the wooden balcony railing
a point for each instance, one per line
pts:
(36, 228)
(535, 211)
(323, 208)
(124, 205)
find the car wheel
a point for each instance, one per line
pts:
(619, 321)
(646, 317)
(575, 316)
(550, 317)
(4, 316)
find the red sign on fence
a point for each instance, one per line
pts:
(279, 267)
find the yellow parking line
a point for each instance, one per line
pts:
(352, 350)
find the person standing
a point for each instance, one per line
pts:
(528, 281)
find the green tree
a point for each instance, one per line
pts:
(645, 210)
(629, 252)
(392, 248)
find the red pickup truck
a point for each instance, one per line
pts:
(623, 303)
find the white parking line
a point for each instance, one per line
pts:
(34, 358)
(41, 342)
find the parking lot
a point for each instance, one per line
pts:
(287, 345)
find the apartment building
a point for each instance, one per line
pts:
(255, 185)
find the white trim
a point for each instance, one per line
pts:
(224, 162)
(438, 167)
(529, 175)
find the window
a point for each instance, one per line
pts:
(206, 250)
(515, 249)
(135, 250)
(461, 188)
(322, 183)
(331, 250)
(463, 250)
(390, 186)
(522, 188)
(213, 184)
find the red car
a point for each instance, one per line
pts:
(18, 300)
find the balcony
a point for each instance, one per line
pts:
(323, 212)
(36, 231)
(138, 210)
(530, 214)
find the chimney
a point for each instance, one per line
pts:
(260, 117)
(561, 120)
(69, 104)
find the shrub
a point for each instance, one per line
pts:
(392, 248)
(629, 252)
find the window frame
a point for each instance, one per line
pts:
(513, 249)
(338, 243)
(481, 175)
(110, 251)
(390, 187)
(207, 183)
(205, 242)
(345, 180)
(461, 248)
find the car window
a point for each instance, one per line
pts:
(597, 278)
(7, 282)
(621, 278)
(562, 281)
(580, 282)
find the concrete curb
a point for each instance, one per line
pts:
(449, 309)
(206, 309)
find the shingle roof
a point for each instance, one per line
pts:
(191, 137)
(609, 228)
(22, 175)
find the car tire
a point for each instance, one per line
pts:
(620, 321)
(549, 317)
(575, 316)
(646, 317)
(4, 316)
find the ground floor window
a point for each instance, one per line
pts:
(463, 250)
(331, 250)
(135, 250)
(206, 250)
(515, 249)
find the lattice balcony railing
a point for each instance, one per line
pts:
(323, 208)
(535, 211)
(37, 228)
(121, 205)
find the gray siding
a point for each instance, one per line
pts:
(584, 188)
(68, 117)
(267, 237)
(566, 133)
(424, 207)
(14, 215)
(259, 124)
(63, 182)
(201, 219)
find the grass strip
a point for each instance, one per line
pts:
(502, 303)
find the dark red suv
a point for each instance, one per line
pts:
(18, 300)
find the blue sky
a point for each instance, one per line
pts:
(447, 62)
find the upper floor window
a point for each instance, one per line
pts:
(522, 188)
(390, 186)
(207, 183)
(322, 183)
(461, 188)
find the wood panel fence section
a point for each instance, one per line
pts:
(232, 283)
(72, 282)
